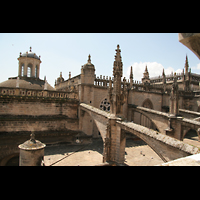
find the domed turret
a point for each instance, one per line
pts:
(29, 64)
(87, 72)
(28, 74)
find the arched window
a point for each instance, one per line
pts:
(29, 70)
(148, 104)
(36, 70)
(22, 70)
(105, 105)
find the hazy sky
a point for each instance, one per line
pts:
(64, 52)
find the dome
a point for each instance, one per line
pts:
(32, 144)
(88, 64)
(26, 83)
(30, 54)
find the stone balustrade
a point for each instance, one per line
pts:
(4, 91)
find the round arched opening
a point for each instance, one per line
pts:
(191, 136)
(10, 160)
(147, 104)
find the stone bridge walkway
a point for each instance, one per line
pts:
(166, 147)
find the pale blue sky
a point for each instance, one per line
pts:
(68, 51)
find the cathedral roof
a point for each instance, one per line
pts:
(26, 83)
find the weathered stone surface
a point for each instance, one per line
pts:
(163, 138)
(192, 41)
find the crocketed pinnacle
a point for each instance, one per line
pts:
(186, 64)
(117, 66)
(131, 73)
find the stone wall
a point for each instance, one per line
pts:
(53, 120)
(138, 98)
(37, 107)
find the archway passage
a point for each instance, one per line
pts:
(191, 134)
(191, 137)
(10, 160)
(141, 119)
(14, 161)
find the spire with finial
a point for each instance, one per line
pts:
(89, 58)
(131, 77)
(163, 73)
(164, 77)
(146, 73)
(32, 139)
(131, 73)
(117, 69)
(186, 64)
(30, 49)
(146, 70)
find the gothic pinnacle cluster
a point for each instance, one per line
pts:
(117, 95)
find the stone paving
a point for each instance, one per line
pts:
(137, 153)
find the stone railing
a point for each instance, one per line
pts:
(4, 91)
(103, 82)
(169, 77)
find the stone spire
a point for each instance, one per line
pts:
(145, 79)
(117, 96)
(186, 64)
(163, 73)
(118, 65)
(117, 71)
(131, 77)
(146, 73)
(131, 73)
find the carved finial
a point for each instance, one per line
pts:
(60, 74)
(30, 49)
(32, 139)
(20, 54)
(89, 58)
(118, 46)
